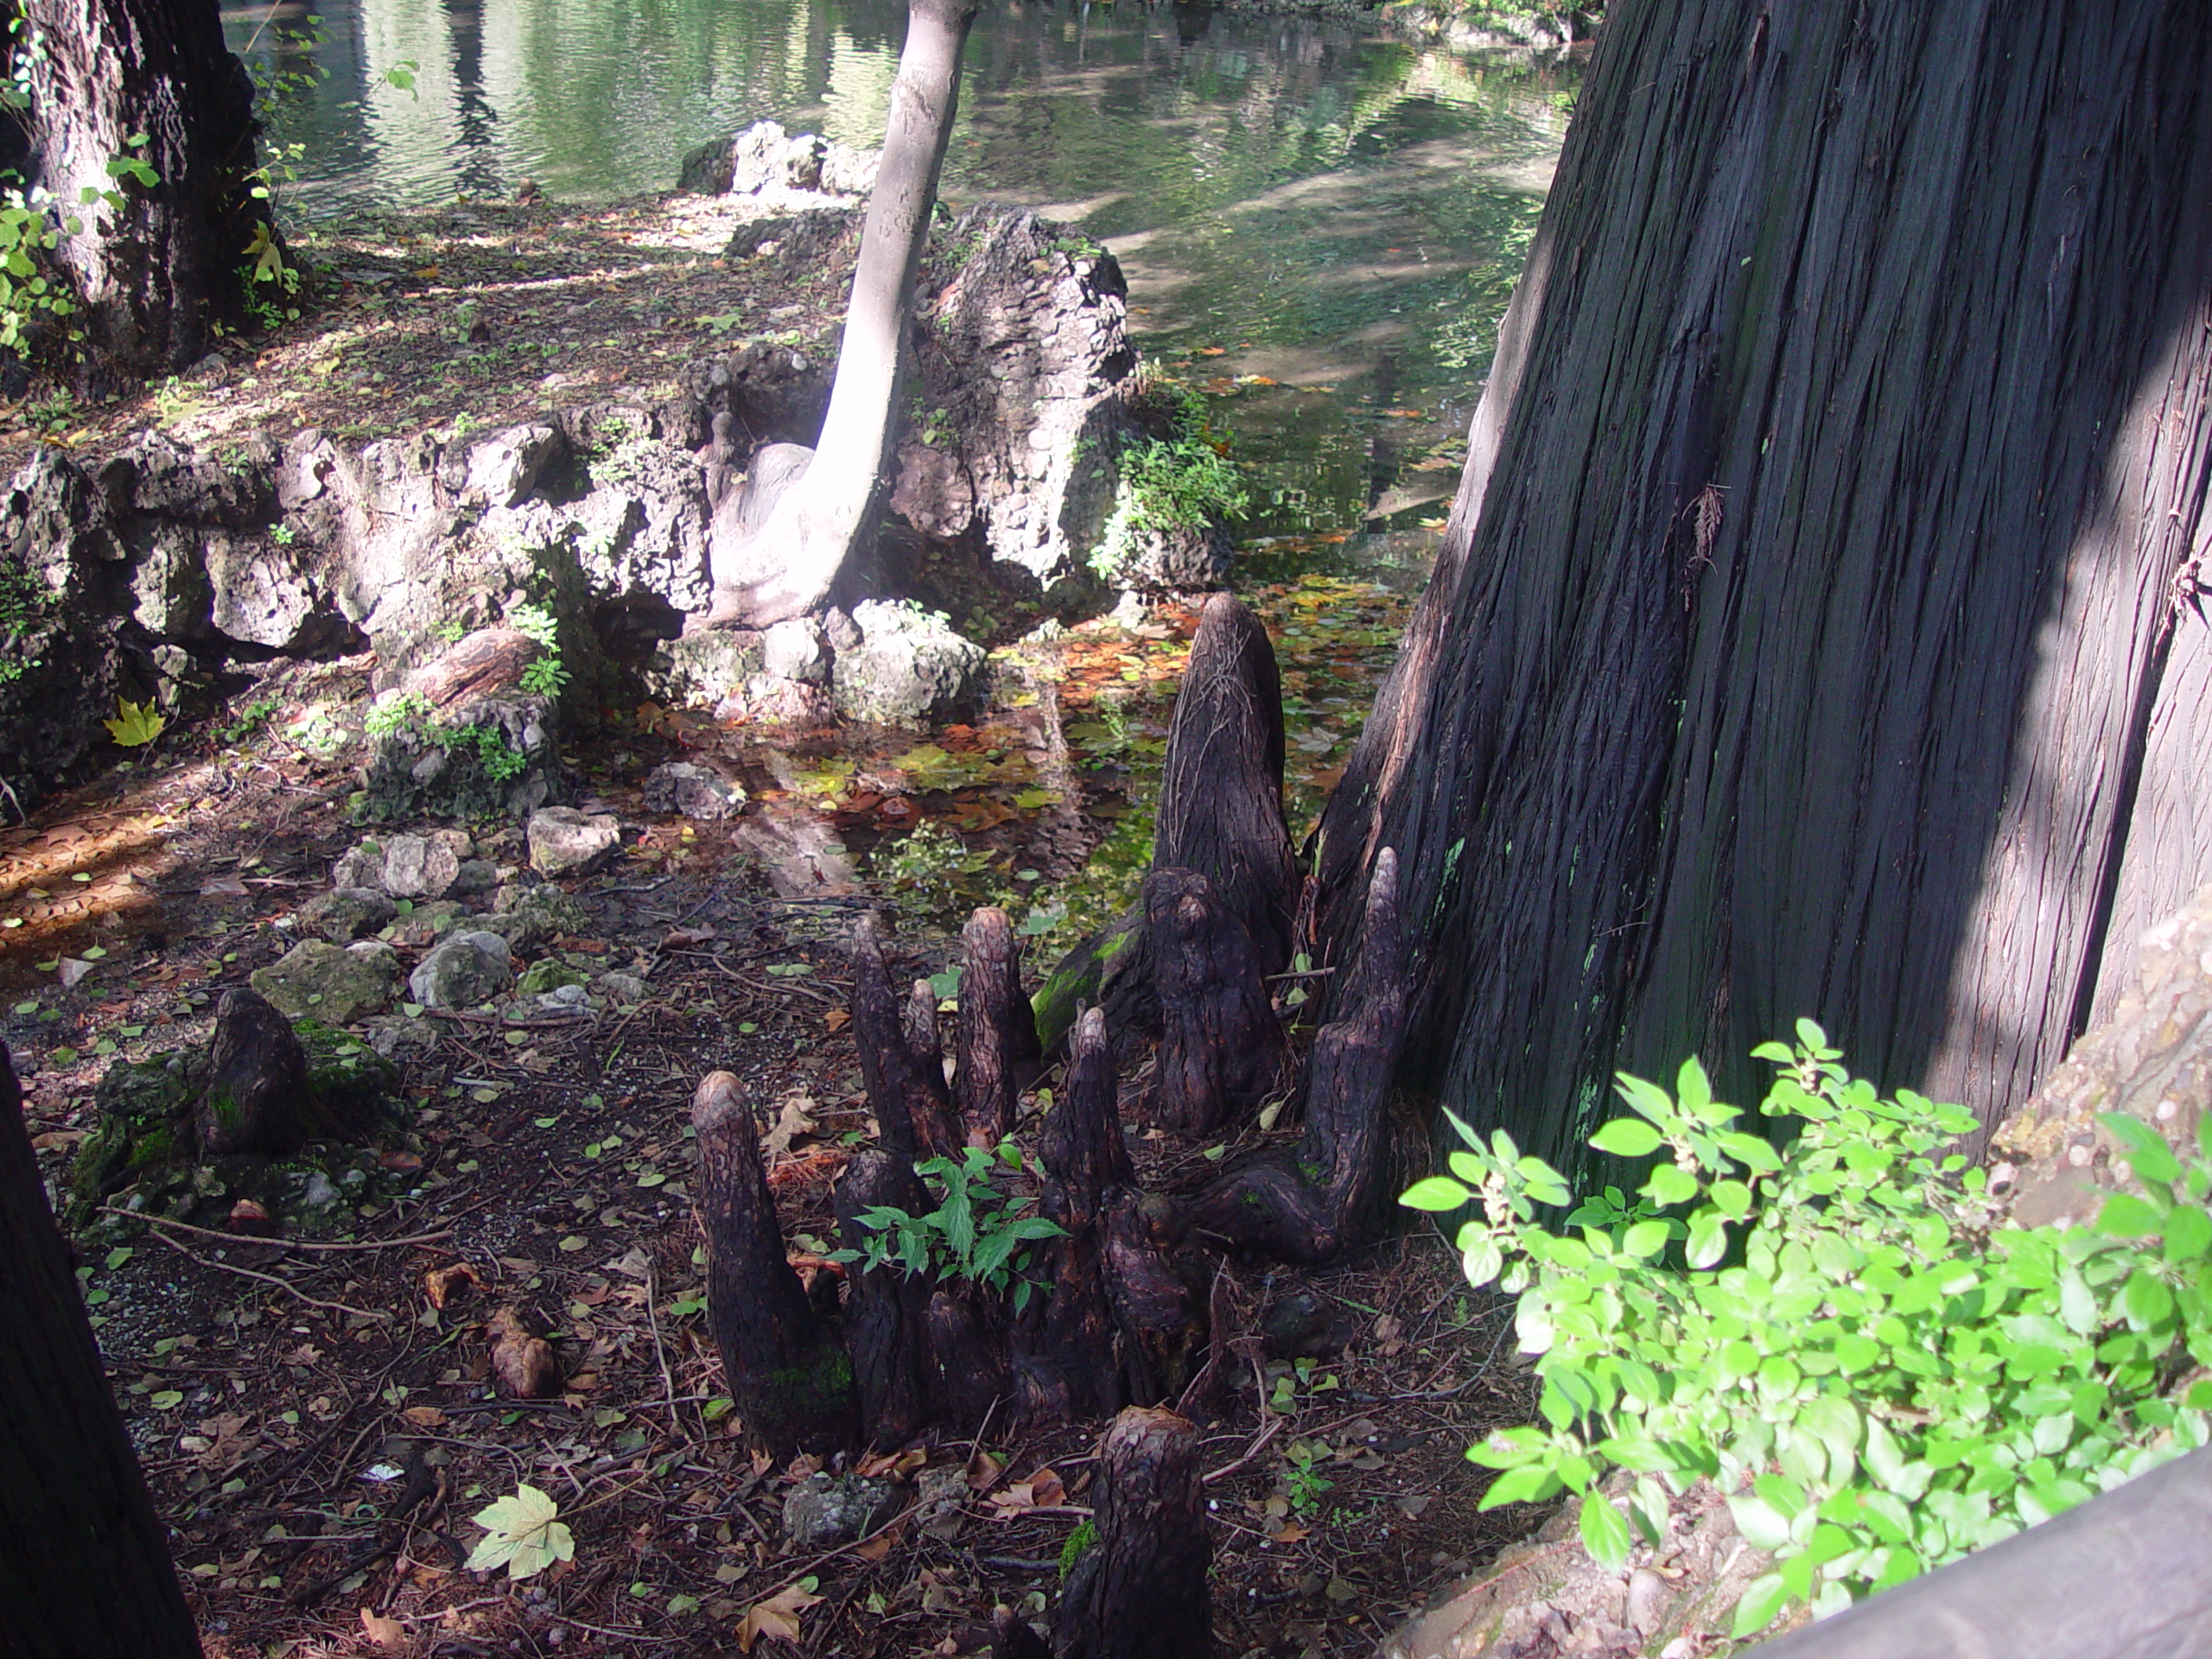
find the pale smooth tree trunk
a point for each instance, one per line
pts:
(785, 567)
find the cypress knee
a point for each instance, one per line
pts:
(1222, 1051)
(1139, 1591)
(790, 1380)
(906, 1092)
(884, 1316)
(998, 1033)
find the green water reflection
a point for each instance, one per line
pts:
(1321, 227)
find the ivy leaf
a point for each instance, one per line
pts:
(523, 1534)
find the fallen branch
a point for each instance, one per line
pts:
(377, 1315)
(278, 1243)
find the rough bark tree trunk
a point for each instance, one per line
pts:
(791, 1379)
(786, 567)
(1222, 1051)
(1812, 633)
(85, 1569)
(159, 271)
(1139, 1591)
(998, 1034)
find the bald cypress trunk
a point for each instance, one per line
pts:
(1812, 632)
(85, 1569)
(158, 264)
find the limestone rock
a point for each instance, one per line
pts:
(334, 984)
(702, 670)
(345, 914)
(526, 916)
(693, 791)
(2152, 1060)
(909, 668)
(418, 866)
(564, 841)
(473, 876)
(823, 1511)
(795, 650)
(504, 468)
(462, 971)
(626, 989)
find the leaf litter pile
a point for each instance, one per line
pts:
(485, 1416)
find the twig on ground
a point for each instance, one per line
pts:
(277, 1244)
(375, 1316)
(1268, 1430)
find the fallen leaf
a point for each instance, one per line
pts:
(398, 1160)
(424, 1416)
(984, 1469)
(875, 1548)
(384, 1632)
(522, 1363)
(792, 1121)
(1292, 1533)
(222, 887)
(523, 1534)
(778, 1615)
(73, 969)
(441, 1285)
(837, 1019)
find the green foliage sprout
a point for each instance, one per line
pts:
(972, 1234)
(1883, 1381)
(547, 675)
(408, 711)
(1180, 482)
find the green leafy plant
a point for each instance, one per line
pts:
(974, 1233)
(248, 720)
(1181, 481)
(1832, 1330)
(524, 1533)
(547, 675)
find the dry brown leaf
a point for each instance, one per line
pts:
(1292, 1533)
(522, 1364)
(424, 1416)
(876, 1548)
(387, 1633)
(792, 1121)
(442, 1284)
(778, 1615)
(983, 1471)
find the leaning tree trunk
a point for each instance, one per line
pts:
(85, 1568)
(158, 265)
(785, 566)
(1815, 631)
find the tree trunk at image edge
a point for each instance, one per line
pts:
(85, 1569)
(158, 272)
(786, 567)
(1819, 629)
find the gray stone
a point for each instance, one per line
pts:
(623, 987)
(505, 467)
(345, 914)
(319, 1193)
(419, 866)
(565, 999)
(337, 985)
(693, 791)
(474, 876)
(909, 668)
(462, 971)
(564, 841)
(2054, 1161)
(359, 866)
(526, 916)
(823, 1511)
(704, 671)
(795, 650)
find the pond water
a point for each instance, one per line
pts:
(1319, 228)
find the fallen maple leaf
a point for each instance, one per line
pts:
(777, 1616)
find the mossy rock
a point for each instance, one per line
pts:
(547, 974)
(145, 1110)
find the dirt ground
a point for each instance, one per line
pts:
(318, 1427)
(318, 1430)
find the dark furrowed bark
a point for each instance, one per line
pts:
(1162, 1318)
(905, 1090)
(884, 1316)
(1070, 1344)
(257, 1091)
(1222, 1052)
(1805, 640)
(1139, 1591)
(1329, 1195)
(789, 1377)
(85, 1569)
(998, 1034)
(1221, 785)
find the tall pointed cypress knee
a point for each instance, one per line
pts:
(789, 1377)
(1071, 1341)
(1222, 1051)
(913, 1109)
(1139, 1591)
(998, 1033)
(1330, 1196)
(1221, 785)
(85, 1570)
(884, 1316)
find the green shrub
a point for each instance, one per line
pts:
(1835, 1331)
(975, 1232)
(1180, 481)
